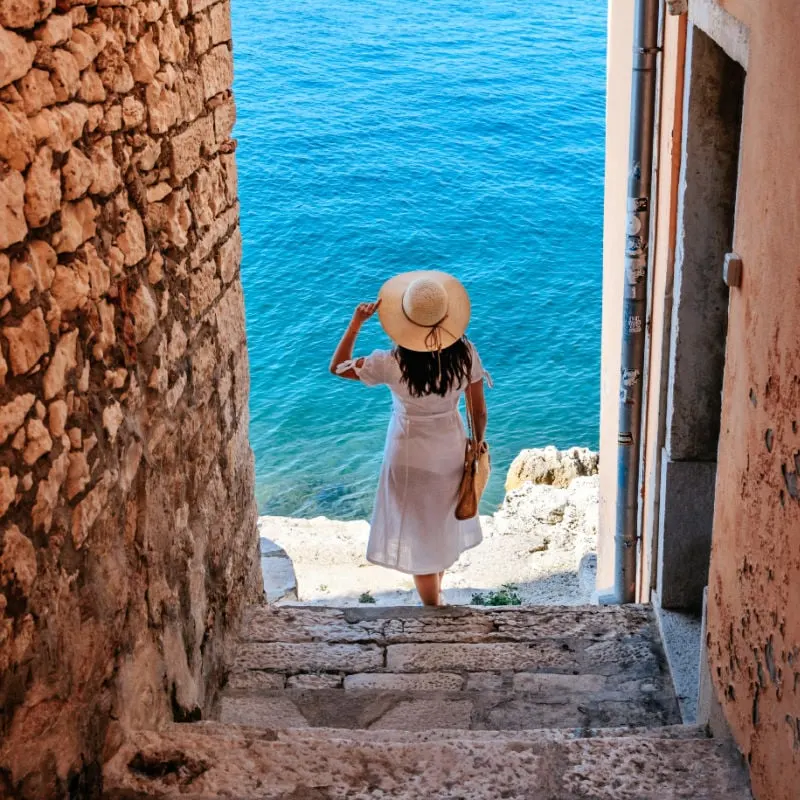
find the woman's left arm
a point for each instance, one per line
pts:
(344, 350)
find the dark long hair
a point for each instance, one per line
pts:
(435, 373)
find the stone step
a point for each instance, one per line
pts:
(418, 710)
(212, 727)
(196, 762)
(619, 641)
(452, 667)
(387, 625)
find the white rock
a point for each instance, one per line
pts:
(551, 466)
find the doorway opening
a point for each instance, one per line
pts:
(713, 103)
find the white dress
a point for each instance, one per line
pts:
(414, 528)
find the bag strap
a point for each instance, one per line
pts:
(470, 422)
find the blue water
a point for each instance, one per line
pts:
(377, 136)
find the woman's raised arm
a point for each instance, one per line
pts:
(344, 350)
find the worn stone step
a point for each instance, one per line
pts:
(619, 641)
(212, 727)
(402, 624)
(196, 763)
(420, 710)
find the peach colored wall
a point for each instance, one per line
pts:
(667, 174)
(754, 585)
(753, 636)
(618, 103)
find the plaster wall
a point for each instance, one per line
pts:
(753, 635)
(127, 518)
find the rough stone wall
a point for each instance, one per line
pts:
(754, 584)
(128, 541)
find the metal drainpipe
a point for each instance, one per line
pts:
(643, 95)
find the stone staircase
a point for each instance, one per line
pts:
(537, 702)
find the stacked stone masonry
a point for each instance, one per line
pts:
(453, 703)
(422, 669)
(127, 518)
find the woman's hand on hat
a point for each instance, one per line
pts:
(364, 311)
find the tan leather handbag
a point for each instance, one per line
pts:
(477, 468)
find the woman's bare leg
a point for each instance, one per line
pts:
(428, 588)
(441, 596)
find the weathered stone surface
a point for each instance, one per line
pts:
(253, 710)
(551, 466)
(88, 510)
(107, 176)
(55, 30)
(91, 89)
(144, 311)
(57, 415)
(42, 189)
(78, 174)
(13, 414)
(64, 73)
(292, 657)
(246, 765)
(63, 360)
(17, 143)
(27, 342)
(140, 506)
(13, 227)
(393, 625)
(23, 280)
(602, 666)
(163, 106)
(555, 685)
(17, 561)
(113, 68)
(229, 257)
(16, 56)
(83, 48)
(204, 288)
(312, 681)
(43, 260)
(188, 147)
(47, 493)
(542, 655)
(424, 713)
(220, 19)
(38, 442)
(399, 682)
(37, 91)
(144, 58)
(60, 126)
(8, 489)
(132, 240)
(216, 67)
(24, 13)
(77, 225)
(112, 419)
(253, 680)
(224, 120)
(70, 287)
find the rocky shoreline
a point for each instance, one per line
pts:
(542, 539)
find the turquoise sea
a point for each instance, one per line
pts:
(379, 136)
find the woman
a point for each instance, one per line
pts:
(414, 528)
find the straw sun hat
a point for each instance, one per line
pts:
(424, 310)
